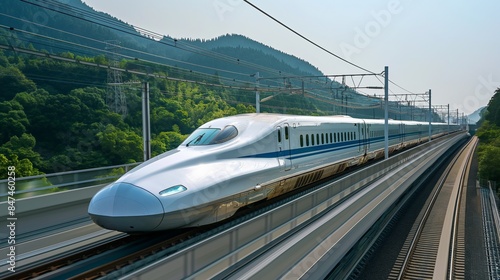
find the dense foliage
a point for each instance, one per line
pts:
(489, 134)
(63, 124)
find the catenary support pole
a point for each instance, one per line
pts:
(257, 94)
(448, 118)
(430, 115)
(146, 133)
(386, 114)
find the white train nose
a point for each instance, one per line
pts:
(125, 207)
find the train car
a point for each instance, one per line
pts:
(235, 161)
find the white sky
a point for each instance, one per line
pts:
(451, 47)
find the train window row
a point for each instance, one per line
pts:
(325, 138)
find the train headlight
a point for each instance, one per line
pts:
(173, 190)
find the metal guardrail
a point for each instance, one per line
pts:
(494, 211)
(491, 230)
(55, 182)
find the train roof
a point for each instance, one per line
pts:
(269, 119)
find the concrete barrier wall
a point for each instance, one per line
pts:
(36, 213)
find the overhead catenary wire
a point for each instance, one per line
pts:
(187, 47)
(33, 35)
(307, 39)
(241, 62)
(99, 18)
(126, 28)
(123, 27)
(308, 93)
(317, 45)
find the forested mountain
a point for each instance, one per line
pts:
(476, 115)
(234, 45)
(74, 21)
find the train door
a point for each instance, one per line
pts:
(283, 141)
(402, 132)
(363, 137)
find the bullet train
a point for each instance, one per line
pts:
(235, 161)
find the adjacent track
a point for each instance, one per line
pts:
(435, 246)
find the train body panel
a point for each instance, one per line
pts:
(235, 161)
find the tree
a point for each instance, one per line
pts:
(18, 152)
(166, 141)
(13, 120)
(489, 147)
(13, 81)
(493, 111)
(120, 146)
(489, 162)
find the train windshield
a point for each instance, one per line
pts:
(209, 136)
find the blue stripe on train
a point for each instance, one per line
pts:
(325, 148)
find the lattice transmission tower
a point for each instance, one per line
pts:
(115, 97)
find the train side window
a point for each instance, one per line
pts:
(312, 139)
(302, 140)
(286, 132)
(331, 137)
(317, 139)
(322, 138)
(279, 135)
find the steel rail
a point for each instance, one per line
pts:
(411, 254)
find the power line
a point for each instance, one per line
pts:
(137, 31)
(317, 45)
(307, 39)
(186, 47)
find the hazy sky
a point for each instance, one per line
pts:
(451, 47)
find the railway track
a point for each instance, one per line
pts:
(435, 246)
